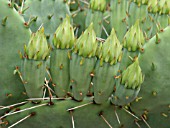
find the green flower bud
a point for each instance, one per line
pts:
(37, 48)
(164, 7)
(64, 35)
(111, 50)
(86, 44)
(153, 6)
(134, 38)
(98, 5)
(139, 2)
(132, 77)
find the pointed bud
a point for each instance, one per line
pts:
(164, 7)
(153, 6)
(64, 35)
(134, 38)
(111, 50)
(98, 5)
(139, 2)
(86, 44)
(132, 77)
(37, 48)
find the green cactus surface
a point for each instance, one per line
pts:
(87, 64)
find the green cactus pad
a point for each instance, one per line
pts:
(88, 116)
(80, 81)
(49, 13)
(13, 35)
(59, 61)
(34, 76)
(128, 87)
(154, 95)
(118, 17)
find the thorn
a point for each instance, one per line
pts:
(22, 5)
(49, 91)
(4, 21)
(73, 14)
(47, 98)
(48, 73)
(12, 113)
(72, 119)
(44, 92)
(22, 12)
(131, 58)
(105, 30)
(84, 2)
(21, 120)
(165, 115)
(108, 22)
(40, 26)
(145, 122)
(31, 19)
(131, 114)
(4, 107)
(70, 109)
(106, 17)
(136, 122)
(117, 117)
(100, 39)
(101, 114)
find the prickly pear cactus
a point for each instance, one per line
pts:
(34, 64)
(119, 81)
(60, 57)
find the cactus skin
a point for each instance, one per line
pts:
(118, 17)
(154, 94)
(85, 66)
(151, 105)
(88, 115)
(60, 62)
(103, 81)
(13, 35)
(34, 76)
(45, 11)
(95, 15)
